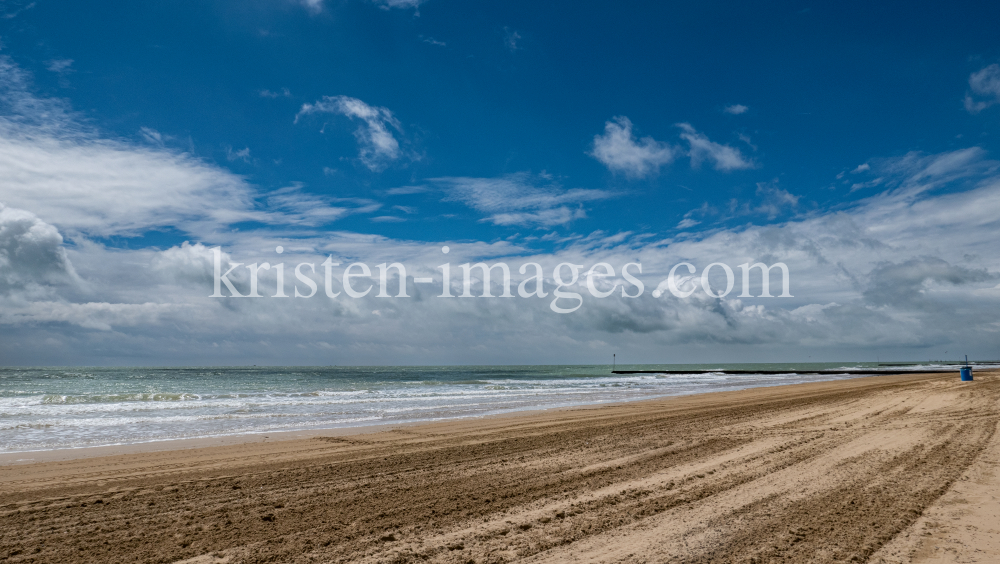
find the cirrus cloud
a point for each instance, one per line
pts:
(520, 199)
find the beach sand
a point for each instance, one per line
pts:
(878, 469)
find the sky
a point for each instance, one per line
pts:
(855, 143)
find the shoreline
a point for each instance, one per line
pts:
(160, 445)
(836, 470)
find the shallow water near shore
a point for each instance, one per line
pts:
(53, 408)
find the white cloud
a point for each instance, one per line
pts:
(861, 168)
(916, 172)
(773, 200)
(735, 109)
(406, 190)
(84, 184)
(910, 270)
(402, 4)
(105, 187)
(619, 150)
(59, 66)
(314, 6)
(19, 106)
(377, 144)
(432, 41)
(907, 272)
(520, 199)
(284, 93)
(723, 157)
(869, 184)
(31, 251)
(101, 316)
(241, 155)
(291, 205)
(687, 222)
(985, 86)
(10, 9)
(511, 39)
(151, 135)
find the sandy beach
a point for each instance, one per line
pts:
(878, 469)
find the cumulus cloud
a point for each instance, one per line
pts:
(620, 151)
(722, 157)
(31, 251)
(520, 199)
(984, 86)
(377, 145)
(735, 109)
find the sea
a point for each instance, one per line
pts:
(60, 408)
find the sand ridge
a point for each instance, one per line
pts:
(848, 471)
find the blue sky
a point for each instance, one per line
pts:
(509, 129)
(522, 88)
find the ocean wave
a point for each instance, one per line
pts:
(51, 399)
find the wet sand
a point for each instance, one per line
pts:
(880, 469)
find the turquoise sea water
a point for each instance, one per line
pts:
(51, 408)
